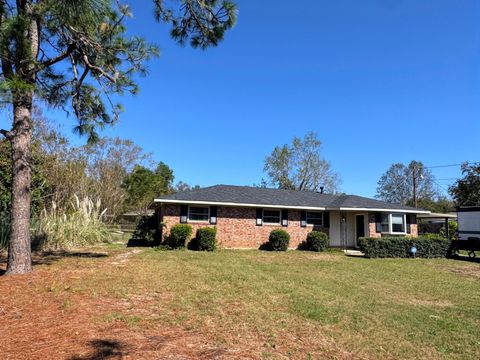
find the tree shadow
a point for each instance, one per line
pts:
(467, 258)
(50, 257)
(103, 349)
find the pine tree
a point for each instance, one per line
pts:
(75, 55)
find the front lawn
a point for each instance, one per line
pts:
(252, 304)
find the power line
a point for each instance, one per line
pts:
(443, 166)
(452, 165)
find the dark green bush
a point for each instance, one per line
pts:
(179, 237)
(316, 241)
(428, 246)
(277, 241)
(146, 229)
(205, 240)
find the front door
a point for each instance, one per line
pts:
(359, 226)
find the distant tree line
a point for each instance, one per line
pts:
(117, 172)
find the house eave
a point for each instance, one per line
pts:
(407, 211)
(220, 203)
(280, 206)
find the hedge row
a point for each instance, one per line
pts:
(280, 239)
(431, 246)
(180, 237)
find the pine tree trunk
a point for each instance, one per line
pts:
(19, 247)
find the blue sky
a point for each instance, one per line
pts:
(380, 81)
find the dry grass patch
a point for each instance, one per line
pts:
(248, 304)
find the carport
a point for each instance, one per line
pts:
(438, 218)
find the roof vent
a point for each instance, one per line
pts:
(321, 189)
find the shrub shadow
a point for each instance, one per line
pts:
(103, 349)
(139, 242)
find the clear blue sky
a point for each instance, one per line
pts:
(380, 81)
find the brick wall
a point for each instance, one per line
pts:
(236, 226)
(372, 226)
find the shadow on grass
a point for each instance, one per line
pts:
(467, 258)
(139, 242)
(50, 257)
(103, 349)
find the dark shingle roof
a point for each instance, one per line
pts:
(287, 198)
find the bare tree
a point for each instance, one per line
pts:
(299, 166)
(407, 184)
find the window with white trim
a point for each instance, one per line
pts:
(394, 224)
(271, 217)
(198, 213)
(315, 218)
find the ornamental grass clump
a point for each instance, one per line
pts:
(80, 225)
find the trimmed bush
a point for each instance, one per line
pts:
(430, 246)
(277, 241)
(206, 239)
(180, 235)
(316, 241)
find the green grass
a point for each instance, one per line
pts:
(302, 304)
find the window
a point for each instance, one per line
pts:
(393, 224)
(198, 213)
(315, 218)
(386, 223)
(271, 216)
(398, 223)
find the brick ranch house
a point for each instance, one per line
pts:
(244, 216)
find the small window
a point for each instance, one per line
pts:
(315, 218)
(385, 223)
(398, 223)
(271, 216)
(198, 213)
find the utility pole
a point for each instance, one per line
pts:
(414, 173)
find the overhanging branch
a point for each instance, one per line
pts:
(7, 134)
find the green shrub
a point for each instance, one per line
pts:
(316, 241)
(428, 246)
(277, 241)
(180, 235)
(205, 239)
(146, 229)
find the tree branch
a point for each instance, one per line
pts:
(98, 69)
(59, 58)
(7, 134)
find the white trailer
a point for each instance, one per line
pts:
(468, 222)
(469, 229)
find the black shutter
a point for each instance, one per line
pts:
(213, 215)
(303, 218)
(183, 214)
(409, 222)
(285, 218)
(259, 221)
(378, 222)
(326, 219)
